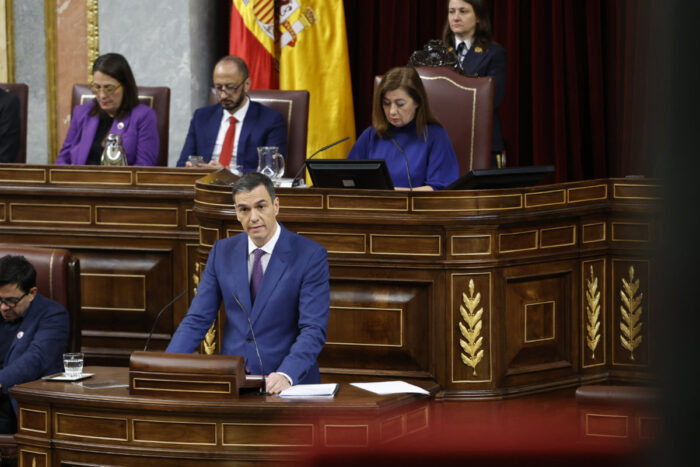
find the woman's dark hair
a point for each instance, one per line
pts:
(482, 34)
(15, 269)
(409, 80)
(116, 66)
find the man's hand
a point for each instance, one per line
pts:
(276, 383)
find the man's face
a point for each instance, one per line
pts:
(11, 293)
(257, 213)
(231, 86)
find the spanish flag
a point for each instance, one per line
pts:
(314, 56)
(253, 39)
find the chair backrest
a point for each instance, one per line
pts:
(20, 90)
(294, 107)
(58, 278)
(464, 106)
(156, 97)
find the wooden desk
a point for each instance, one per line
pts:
(67, 424)
(487, 293)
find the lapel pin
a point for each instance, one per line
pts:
(20, 334)
(120, 125)
(478, 49)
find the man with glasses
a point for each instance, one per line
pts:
(33, 333)
(229, 133)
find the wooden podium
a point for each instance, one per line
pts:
(72, 424)
(487, 293)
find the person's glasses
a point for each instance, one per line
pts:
(227, 88)
(12, 302)
(108, 89)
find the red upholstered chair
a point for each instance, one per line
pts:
(156, 97)
(58, 278)
(464, 106)
(20, 90)
(294, 107)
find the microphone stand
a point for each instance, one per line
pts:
(295, 180)
(150, 334)
(405, 159)
(263, 388)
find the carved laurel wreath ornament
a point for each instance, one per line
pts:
(471, 344)
(631, 311)
(209, 341)
(592, 313)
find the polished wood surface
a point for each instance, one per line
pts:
(487, 293)
(67, 423)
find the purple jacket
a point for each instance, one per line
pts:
(139, 132)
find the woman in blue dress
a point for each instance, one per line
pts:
(406, 134)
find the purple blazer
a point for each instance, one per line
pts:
(139, 132)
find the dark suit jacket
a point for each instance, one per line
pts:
(262, 126)
(37, 349)
(290, 314)
(490, 62)
(139, 132)
(10, 126)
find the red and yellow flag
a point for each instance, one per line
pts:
(314, 56)
(252, 38)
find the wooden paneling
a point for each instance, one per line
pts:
(400, 268)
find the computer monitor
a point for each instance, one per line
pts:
(509, 177)
(370, 174)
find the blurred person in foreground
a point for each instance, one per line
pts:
(406, 134)
(116, 110)
(281, 280)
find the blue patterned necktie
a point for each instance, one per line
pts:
(257, 275)
(461, 53)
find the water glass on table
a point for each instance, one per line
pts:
(73, 364)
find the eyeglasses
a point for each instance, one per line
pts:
(228, 88)
(108, 89)
(12, 301)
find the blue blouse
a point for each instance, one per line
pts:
(431, 158)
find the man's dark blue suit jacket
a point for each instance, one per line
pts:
(262, 126)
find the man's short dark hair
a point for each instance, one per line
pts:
(251, 181)
(15, 269)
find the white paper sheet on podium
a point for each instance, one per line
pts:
(310, 390)
(391, 387)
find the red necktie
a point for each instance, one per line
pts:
(227, 148)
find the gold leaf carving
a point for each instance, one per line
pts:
(210, 340)
(631, 311)
(592, 313)
(472, 342)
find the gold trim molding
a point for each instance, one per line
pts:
(93, 35)
(7, 35)
(51, 92)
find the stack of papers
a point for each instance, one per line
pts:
(391, 387)
(310, 390)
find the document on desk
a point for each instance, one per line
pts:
(391, 387)
(310, 390)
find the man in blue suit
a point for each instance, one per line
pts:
(222, 141)
(280, 279)
(33, 333)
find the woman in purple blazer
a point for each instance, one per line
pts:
(116, 110)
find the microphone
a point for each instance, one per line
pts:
(160, 313)
(405, 159)
(263, 388)
(295, 180)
